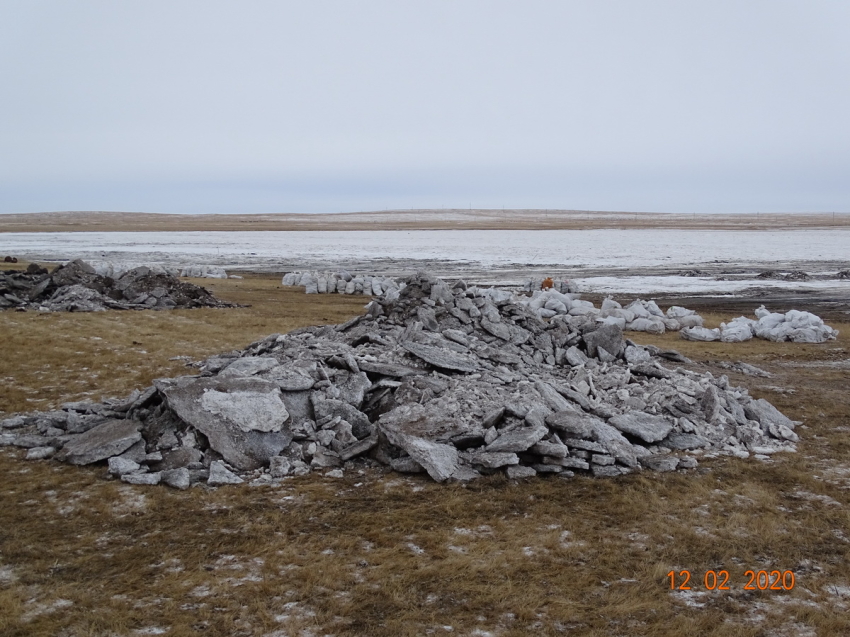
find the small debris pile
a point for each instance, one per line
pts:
(454, 381)
(77, 287)
(8, 259)
(793, 275)
(794, 326)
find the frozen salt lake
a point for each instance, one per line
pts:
(488, 255)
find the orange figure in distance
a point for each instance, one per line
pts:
(547, 284)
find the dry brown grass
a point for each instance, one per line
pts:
(375, 554)
(411, 220)
(48, 357)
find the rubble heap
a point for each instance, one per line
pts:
(454, 381)
(77, 287)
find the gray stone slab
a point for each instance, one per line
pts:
(499, 330)
(177, 478)
(573, 422)
(118, 466)
(442, 358)
(146, 479)
(220, 475)
(569, 462)
(249, 366)
(245, 450)
(519, 472)
(660, 462)
(544, 448)
(550, 395)
(289, 379)
(491, 459)
(584, 445)
(647, 427)
(608, 337)
(605, 471)
(766, 414)
(40, 453)
(359, 447)
(439, 460)
(99, 443)
(616, 444)
(685, 441)
(519, 439)
(390, 369)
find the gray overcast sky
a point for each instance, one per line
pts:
(248, 106)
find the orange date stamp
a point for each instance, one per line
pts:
(719, 580)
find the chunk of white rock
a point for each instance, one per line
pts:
(119, 466)
(40, 453)
(177, 478)
(248, 410)
(221, 475)
(147, 479)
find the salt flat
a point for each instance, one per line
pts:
(640, 259)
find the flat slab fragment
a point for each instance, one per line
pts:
(574, 423)
(108, 439)
(244, 448)
(221, 475)
(359, 447)
(766, 414)
(499, 330)
(289, 379)
(660, 463)
(520, 439)
(390, 369)
(422, 421)
(685, 441)
(439, 460)
(647, 427)
(608, 337)
(250, 365)
(442, 358)
(492, 460)
(616, 444)
(248, 410)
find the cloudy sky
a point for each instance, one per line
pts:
(250, 106)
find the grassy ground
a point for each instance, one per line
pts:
(375, 554)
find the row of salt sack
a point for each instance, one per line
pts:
(646, 316)
(549, 303)
(341, 282)
(639, 316)
(204, 272)
(563, 286)
(115, 270)
(795, 326)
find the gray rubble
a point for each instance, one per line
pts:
(77, 287)
(421, 382)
